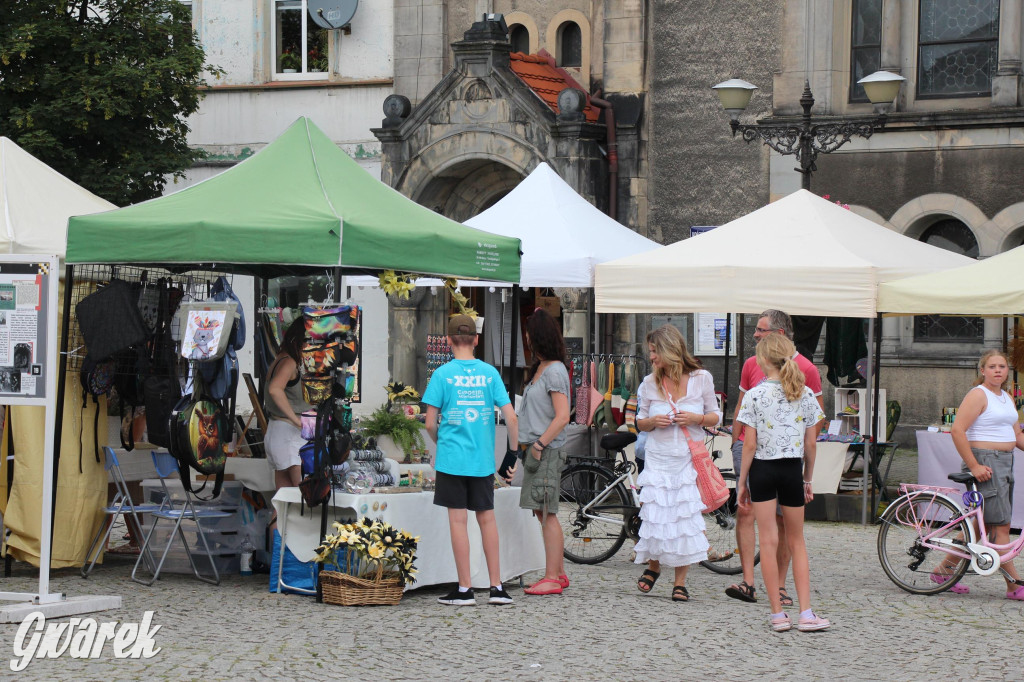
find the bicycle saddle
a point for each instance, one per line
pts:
(962, 477)
(617, 441)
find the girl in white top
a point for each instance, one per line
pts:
(672, 404)
(779, 416)
(985, 432)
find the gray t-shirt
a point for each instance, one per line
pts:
(537, 411)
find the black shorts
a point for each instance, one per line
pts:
(475, 493)
(781, 479)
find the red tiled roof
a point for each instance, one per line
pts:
(545, 78)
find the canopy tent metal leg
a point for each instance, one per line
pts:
(874, 385)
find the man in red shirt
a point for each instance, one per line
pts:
(770, 322)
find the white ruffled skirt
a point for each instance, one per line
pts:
(673, 527)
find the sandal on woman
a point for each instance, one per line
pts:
(959, 588)
(646, 581)
(564, 580)
(1017, 594)
(679, 593)
(784, 598)
(545, 586)
(743, 592)
(714, 555)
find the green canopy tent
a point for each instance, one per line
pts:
(300, 202)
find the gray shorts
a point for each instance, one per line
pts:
(737, 465)
(541, 480)
(998, 490)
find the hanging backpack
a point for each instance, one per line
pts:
(130, 370)
(97, 378)
(200, 434)
(221, 377)
(160, 387)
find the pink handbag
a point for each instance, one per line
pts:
(713, 490)
(583, 396)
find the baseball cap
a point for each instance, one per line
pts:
(461, 325)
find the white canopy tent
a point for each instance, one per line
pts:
(563, 235)
(994, 286)
(35, 203)
(802, 254)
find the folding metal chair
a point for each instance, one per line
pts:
(166, 465)
(121, 505)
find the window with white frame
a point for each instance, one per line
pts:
(957, 48)
(299, 46)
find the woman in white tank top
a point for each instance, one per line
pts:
(985, 432)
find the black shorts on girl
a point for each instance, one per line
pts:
(781, 479)
(475, 493)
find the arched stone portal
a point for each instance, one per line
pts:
(467, 188)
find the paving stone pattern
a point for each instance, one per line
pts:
(601, 628)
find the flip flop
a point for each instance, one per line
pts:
(679, 593)
(784, 598)
(545, 586)
(645, 583)
(743, 592)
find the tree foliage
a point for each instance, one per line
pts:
(100, 90)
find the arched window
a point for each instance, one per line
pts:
(953, 235)
(570, 45)
(519, 36)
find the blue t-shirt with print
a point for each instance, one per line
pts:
(466, 393)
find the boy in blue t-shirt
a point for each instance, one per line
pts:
(464, 393)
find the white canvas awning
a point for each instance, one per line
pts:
(994, 286)
(563, 235)
(802, 254)
(35, 203)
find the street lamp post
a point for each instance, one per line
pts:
(807, 139)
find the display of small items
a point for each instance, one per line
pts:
(438, 352)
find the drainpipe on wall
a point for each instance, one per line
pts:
(613, 190)
(613, 153)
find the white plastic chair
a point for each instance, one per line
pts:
(121, 505)
(166, 465)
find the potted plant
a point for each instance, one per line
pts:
(291, 61)
(371, 561)
(387, 423)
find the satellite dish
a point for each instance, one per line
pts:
(332, 14)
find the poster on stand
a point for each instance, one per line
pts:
(23, 329)
(711, 334)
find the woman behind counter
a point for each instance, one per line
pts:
(284, 406)
(543, 416)
(985, 432)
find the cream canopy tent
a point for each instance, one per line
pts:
(36, 201)
(994, 286)
(802, 254)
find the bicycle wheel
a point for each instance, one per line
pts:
(904, 558)
(596, 533)
(724, 553)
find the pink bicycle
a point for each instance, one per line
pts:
(929, 527)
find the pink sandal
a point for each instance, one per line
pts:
(564, 580)
(1017, 594)
(545, 586)
(959, 588)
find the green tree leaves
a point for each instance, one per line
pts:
(100, 90)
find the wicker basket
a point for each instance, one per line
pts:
(347, 590)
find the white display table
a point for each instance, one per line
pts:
(522, 549)
(937, 458)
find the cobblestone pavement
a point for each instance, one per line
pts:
(602, 627)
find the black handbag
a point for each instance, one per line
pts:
(110, 320)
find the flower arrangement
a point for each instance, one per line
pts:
(400, 284)
(369, 549)
(400, 393)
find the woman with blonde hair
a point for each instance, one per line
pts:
(985, 432)
(779, 416)
(673, 403)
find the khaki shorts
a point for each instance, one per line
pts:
(998, 490)
(541, 480)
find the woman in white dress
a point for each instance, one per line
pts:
(673, 403)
